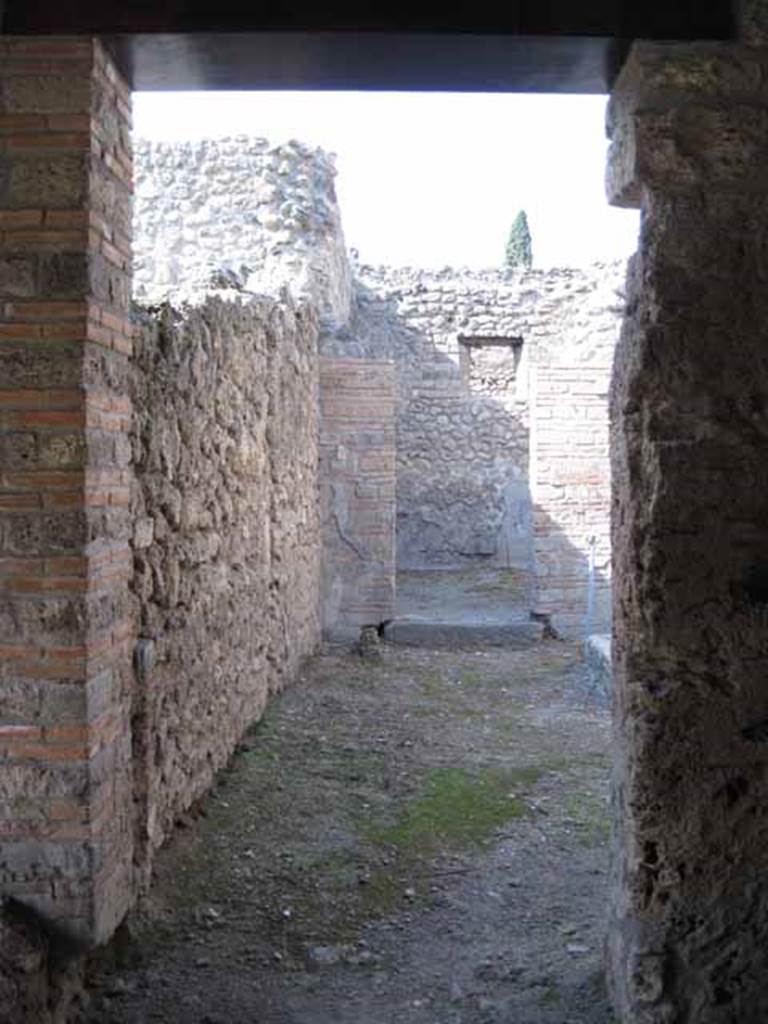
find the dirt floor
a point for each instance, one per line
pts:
(419, 838)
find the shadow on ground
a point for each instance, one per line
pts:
(419, 838)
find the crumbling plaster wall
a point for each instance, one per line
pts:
(226, 535)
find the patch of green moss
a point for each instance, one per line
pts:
(455, 808)
(382, 893)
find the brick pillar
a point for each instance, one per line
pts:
(65, 342)
(357, 494)
(689, 933)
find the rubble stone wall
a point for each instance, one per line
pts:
(239, 211)
(466, 344)
(226, 536)
(468, 347)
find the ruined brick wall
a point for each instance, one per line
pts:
(357, 472)
(468, 346)
(462, 454)
(239, 211)
(226, 535)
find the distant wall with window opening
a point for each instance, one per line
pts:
(500, 377)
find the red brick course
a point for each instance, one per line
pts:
(67, 192)
(358, 420)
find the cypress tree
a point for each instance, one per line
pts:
(519, 252)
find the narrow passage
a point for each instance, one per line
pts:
(416, 836)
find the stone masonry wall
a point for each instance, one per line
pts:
(468, 346)
(357, 472)
(462, 455)
(688, 939)
(239, 211)
(226, 536)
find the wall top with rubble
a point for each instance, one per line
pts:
(243, 214)
(568, 315)
(239, 213)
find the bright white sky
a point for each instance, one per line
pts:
(434, 179)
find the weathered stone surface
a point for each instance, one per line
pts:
(752, 21)
(226, 538)
(502, 388)
(57, 183)
(244, 212)
(23, 971)
(683, 112)
(242, 215)
(689, 932)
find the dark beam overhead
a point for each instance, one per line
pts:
(515, 46)
(379, 61)
(648, 19)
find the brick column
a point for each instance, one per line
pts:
(357, 494)
(570, 486)
(689, 932)
(65, 342)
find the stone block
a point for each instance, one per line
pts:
(143, 532)
(105, 371)
(51, 182)
(108, 284)
(61, 449)
(45, 94)
(681, 114)
(752, 22)
(17, 449)
(23, 968)
(62, 275)
(18, 276)
(56, 533)
(25, 366)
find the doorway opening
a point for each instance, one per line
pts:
(461, 463)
